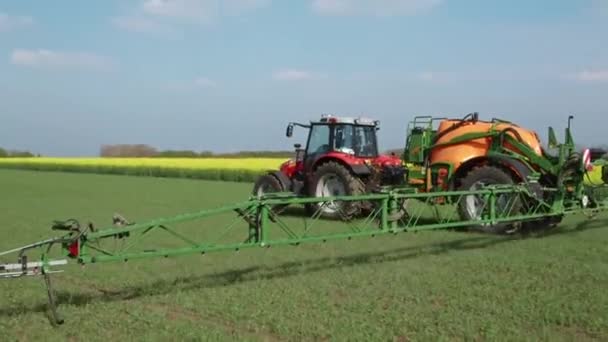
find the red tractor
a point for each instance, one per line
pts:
(341, 158)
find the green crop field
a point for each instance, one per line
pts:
(411, 287)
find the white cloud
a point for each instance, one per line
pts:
(373, 7)
(204, 82)
(427, 76)
(190, 85)
(477, 75)
(295, 75)
(599, 7)
(445, 76)
(201, 10)
(140, 24)
(8, 22)
(164, 16)
(185, 9)
(244, 5)
(592, 76)
(59, 59)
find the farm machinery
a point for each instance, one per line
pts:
(466, 154)
(341, 158)
(454, 173)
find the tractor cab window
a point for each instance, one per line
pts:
(344, 139)
(365, 138)
(357, 140)
(318, 141)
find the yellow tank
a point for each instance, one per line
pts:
(460, 153)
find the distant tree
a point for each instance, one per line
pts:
(256, 154)
(20, 154)
(125, 150)
(177, 154)
(140, 150)
(15, 154)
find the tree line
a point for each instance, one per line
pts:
(4, 153)
(147, 151)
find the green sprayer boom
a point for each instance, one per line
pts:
(272, 220)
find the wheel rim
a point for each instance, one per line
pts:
(476, 204)
(330, 185)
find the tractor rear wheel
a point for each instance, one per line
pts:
(473, 207)
(331, 180)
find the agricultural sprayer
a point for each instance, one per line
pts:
(454, 174)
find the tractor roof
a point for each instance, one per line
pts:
(326, 118)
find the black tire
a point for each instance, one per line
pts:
(351, 186)
(269, 184)
(486, 175)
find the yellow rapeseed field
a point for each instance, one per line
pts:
(230, 169)
(252, 164)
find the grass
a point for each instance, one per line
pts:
(425, 286)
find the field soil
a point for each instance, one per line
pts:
(430, 286)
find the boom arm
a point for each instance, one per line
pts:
(260, 226)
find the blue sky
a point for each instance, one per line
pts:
(228, 75)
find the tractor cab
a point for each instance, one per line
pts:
(349, 136)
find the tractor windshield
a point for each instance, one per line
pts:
(318, 140)
(356, 140)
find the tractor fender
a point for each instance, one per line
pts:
(282, 178)
(360, 170)
(349, 163)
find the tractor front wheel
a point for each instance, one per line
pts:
(475, 207)
(332, 180)
(268, 184)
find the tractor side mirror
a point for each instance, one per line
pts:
(297, 146)
(289, 132)
(552, 138)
